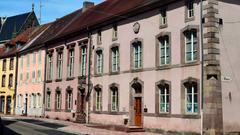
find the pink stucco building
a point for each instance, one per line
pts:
(146, 66)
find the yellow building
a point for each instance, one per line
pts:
(7, 84)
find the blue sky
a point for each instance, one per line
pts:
(51, 9)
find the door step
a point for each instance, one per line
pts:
(135, 129)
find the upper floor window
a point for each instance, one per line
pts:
(39, 57)
(21, 62)
(137, 55)
(58, 100)
(83, 63)
(49, 67)
(21, 77)
(163, 17)
(39, 76)
(28, 60)
(11, 64)
(115, 32)
(33, 76)
(10, 80)
(190, 8)
(3, 80)
(191, 50)
(59, 65)
(99, 37)
(164, 50)
(27, 77)
(70, 62)
(34, 58)
(99, 62)
(115, 59)
(4, 65)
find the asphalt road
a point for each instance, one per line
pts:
(13, 126)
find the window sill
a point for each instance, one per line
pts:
(188, 19)
(192, 63)
(99, 43)
(136, 70)
(191, 116)
(70, 78)
(48, 81)
(114, 39)
(98, 75)
(114, 73)
(163, 67)
(162, 26)
(67, 110)
(58, 80)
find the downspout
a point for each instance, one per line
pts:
(202, 62)
(15, 90)
(44, 81)
(89, 76)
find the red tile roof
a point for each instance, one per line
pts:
(105, 11)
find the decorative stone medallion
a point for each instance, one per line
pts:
(136, 27)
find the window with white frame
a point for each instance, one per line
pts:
(48, 100)
(59, 65)
(190, 8)
(191, 98)
(34, 58)
(115, 32)
(114, 99)
(39, 76)
(190, 45)
(10, 84)
(49, 67)
(3, 80)
(33, 76)
(27, 77)
(164, 50)
(21, 78)
(83, 65)
(99, 37)
(99, 62)
(137, 55)
(28, 60)
(34, 100)
(98, 100)
(39, 57)
(69, 100)
(30, 101)
(58, 100)
(115, 59)
(70, 62)
(164, 98)
(163, 17)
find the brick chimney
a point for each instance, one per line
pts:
(87, 5)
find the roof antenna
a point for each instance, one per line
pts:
(33, 7)
(40, 13)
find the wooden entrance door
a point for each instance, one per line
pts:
(138, 111)
(81, 116)
(9, 101)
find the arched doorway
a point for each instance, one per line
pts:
(136, 103)
(81, 105)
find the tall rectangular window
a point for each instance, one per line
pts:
(10, 80)
(27, 77)
(28, 60)
(39, 76)
(69, 100)
(99, 37)
(34, 100)
(11, 64)
(83, 60)
(58, 100)
(48, 100)
(21, 78)
(21, 62)
(59, 65)
(190, 8)
(70, 63)
(114, 99)
(115, 59)
(99, 63)
(34, 58)
(49, 67)
(3, 80)
(39, 57)
(164, 50)
(191, 98)
(190, 45)
(115, 32)
(163, 17)
(4, 65)
(164, 99)
(137, 55)
(98, 100)
(33, 77)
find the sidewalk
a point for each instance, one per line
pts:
(77, 128)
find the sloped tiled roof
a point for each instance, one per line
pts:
(106, 11)
(11, 23)
(57, 27)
